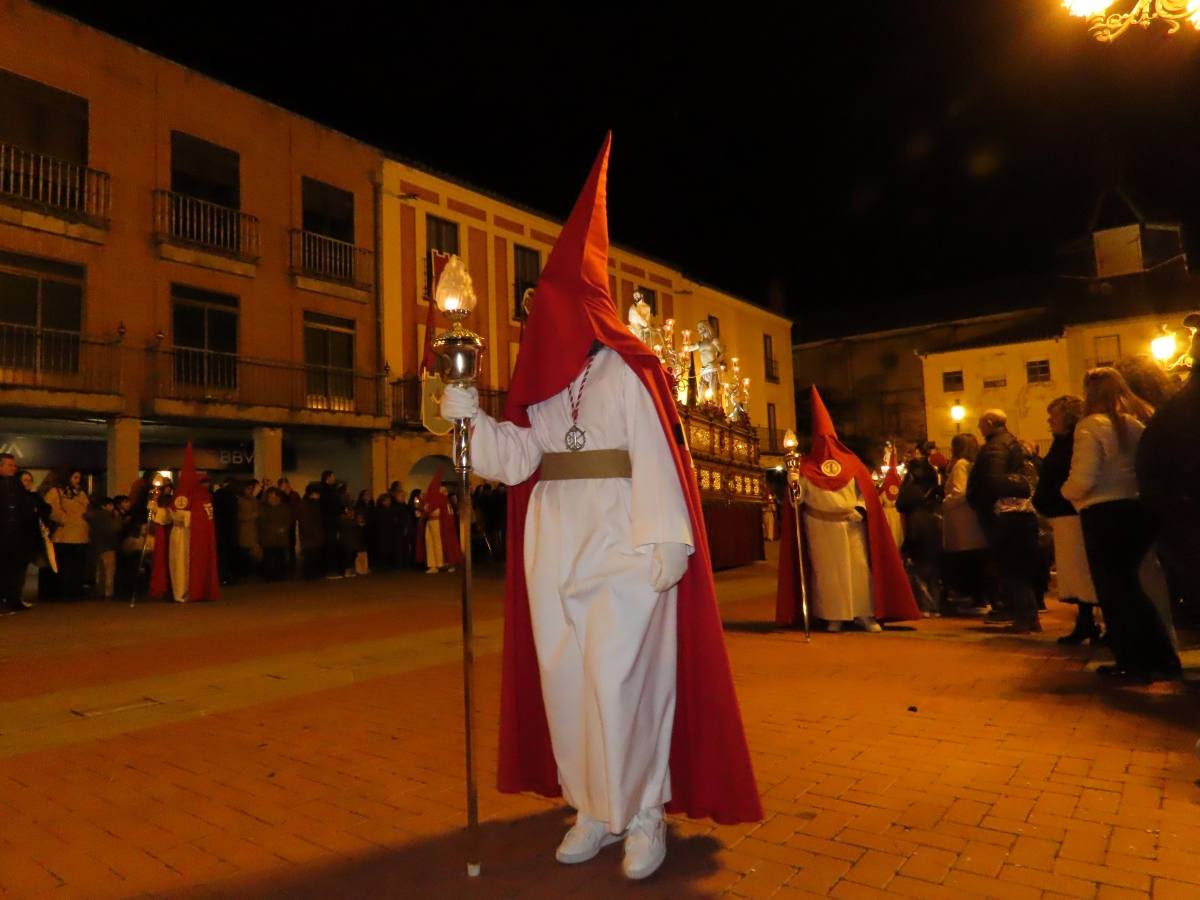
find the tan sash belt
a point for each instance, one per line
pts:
(586, 464)
(823, 516)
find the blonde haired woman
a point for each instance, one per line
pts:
(964, 547)
(1070, 555)
(1117, 529)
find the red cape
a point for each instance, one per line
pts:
(203, 579)
(711, 775)
(891, 590)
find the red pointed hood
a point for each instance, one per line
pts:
(188, 481)
(829, 464)
(890, 489)
(433, 497)
(572, 307)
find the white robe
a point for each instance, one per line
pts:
(605, 639)
(837, 550)
(434, 558)
(894, 522)
(179, 547)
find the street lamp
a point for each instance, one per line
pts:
(458, 352)
(1106, 27)
(791, 459)
(958, 412)
(1163, 347)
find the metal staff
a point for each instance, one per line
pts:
(459, 352)
(156, 485)
(792, 461)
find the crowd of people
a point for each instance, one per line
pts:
(1111, 508)
(100, 546)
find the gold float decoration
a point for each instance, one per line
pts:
(1107, 26)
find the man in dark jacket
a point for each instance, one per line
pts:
(20, 536)
(225, 523)
(1168, 473)
(999, 493)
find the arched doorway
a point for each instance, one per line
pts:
(426, 467)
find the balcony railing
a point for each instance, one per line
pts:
(318, 256)
(207, 376)
(188, 220)
(406, 402)
(772, 372)
(55, 185)
(770, 440)
(57, 360)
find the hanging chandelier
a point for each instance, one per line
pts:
(1108, 26)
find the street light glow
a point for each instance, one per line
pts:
(958, 412)
(1086, 8)
(1163, 347)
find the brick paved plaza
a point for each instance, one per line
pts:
(305, 740)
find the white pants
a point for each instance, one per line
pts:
(606, 645)
(433, 544)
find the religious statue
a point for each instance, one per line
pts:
(641, 318)
(712, 358)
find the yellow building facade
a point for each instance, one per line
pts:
(504, 247)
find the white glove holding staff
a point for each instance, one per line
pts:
(670, 562)
(459, 402)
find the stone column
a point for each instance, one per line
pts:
(268, 453)
(124, 454)
(375, 462)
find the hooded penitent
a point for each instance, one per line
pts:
(571, 311)
(830, 466)
(193, 562)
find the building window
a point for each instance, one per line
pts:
(41, 314)
(42, 119)
(772, 364)
(952, 381)
(1037, 370)
(328, 211)
(329, 362)
(997, 382)
(205, 171)
(651, 298)
(1108, 349)
(527, 267)
(441, 235)
(773, 442)
(205, 335)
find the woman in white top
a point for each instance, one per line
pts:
(1117, 529)
(964, 547)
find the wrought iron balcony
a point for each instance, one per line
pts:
(206, 376)
(318, 256)
(770, 440)
(54, 185)
(57, 360)
(772, 370)
(406, 402)
(181, 219)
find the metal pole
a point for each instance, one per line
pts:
(152, 501)
(800, 564)
(462, 465)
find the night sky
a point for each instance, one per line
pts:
(848, 155)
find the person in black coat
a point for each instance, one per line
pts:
(381, 532)
(999, 491)
(20, 535)
(919, 502)
(1168, 473)
(225, 524)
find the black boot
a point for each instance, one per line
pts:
(1085, 627)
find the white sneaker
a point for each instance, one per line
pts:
(645, 844)
(833, 626)
(868, 623)
(431, 571)
(584, 840)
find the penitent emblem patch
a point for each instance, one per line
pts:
(181, 502)
(831, 467)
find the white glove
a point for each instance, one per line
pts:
(670, 562)
(459, 402)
